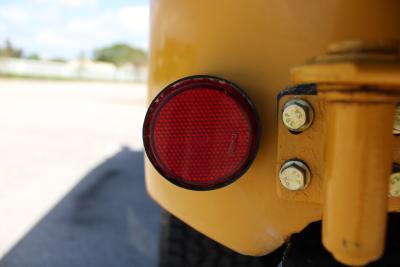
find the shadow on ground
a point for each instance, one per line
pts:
(106, 220)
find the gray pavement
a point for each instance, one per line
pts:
(71, 176)
(106, 220)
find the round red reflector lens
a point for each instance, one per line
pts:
(201, 132)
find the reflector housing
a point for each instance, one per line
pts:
(201, 132)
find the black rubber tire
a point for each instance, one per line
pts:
(182, 246)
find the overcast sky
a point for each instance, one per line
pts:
(65, 28)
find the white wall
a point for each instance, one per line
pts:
(86, 70)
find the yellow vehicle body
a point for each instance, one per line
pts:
(256, 44)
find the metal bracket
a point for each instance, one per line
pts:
(309, 146)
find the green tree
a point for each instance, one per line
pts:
(120, 54)
(10, 51)
(33, 56)
(59, 60)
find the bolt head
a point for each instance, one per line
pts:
(394, 185)
(294, 175)
(297, 115)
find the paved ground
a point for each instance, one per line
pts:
(71, 176)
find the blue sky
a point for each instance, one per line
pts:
(66, 28)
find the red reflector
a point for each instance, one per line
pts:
(201, 132)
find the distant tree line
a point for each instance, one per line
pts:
(120, 54)
(117, 54)
(8, 50)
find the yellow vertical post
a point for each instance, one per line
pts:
(358, 164)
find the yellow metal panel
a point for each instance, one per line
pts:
(254, 44)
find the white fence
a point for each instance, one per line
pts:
(78, 69)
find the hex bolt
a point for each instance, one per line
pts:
(297, 115)
(394, 185)
(396, 123)
(294, 175)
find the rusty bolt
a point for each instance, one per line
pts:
(297, 115)
(294, 175)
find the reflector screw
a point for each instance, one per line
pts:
(394, 186)
(294, 175)
(297, 115)
(396, 124)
